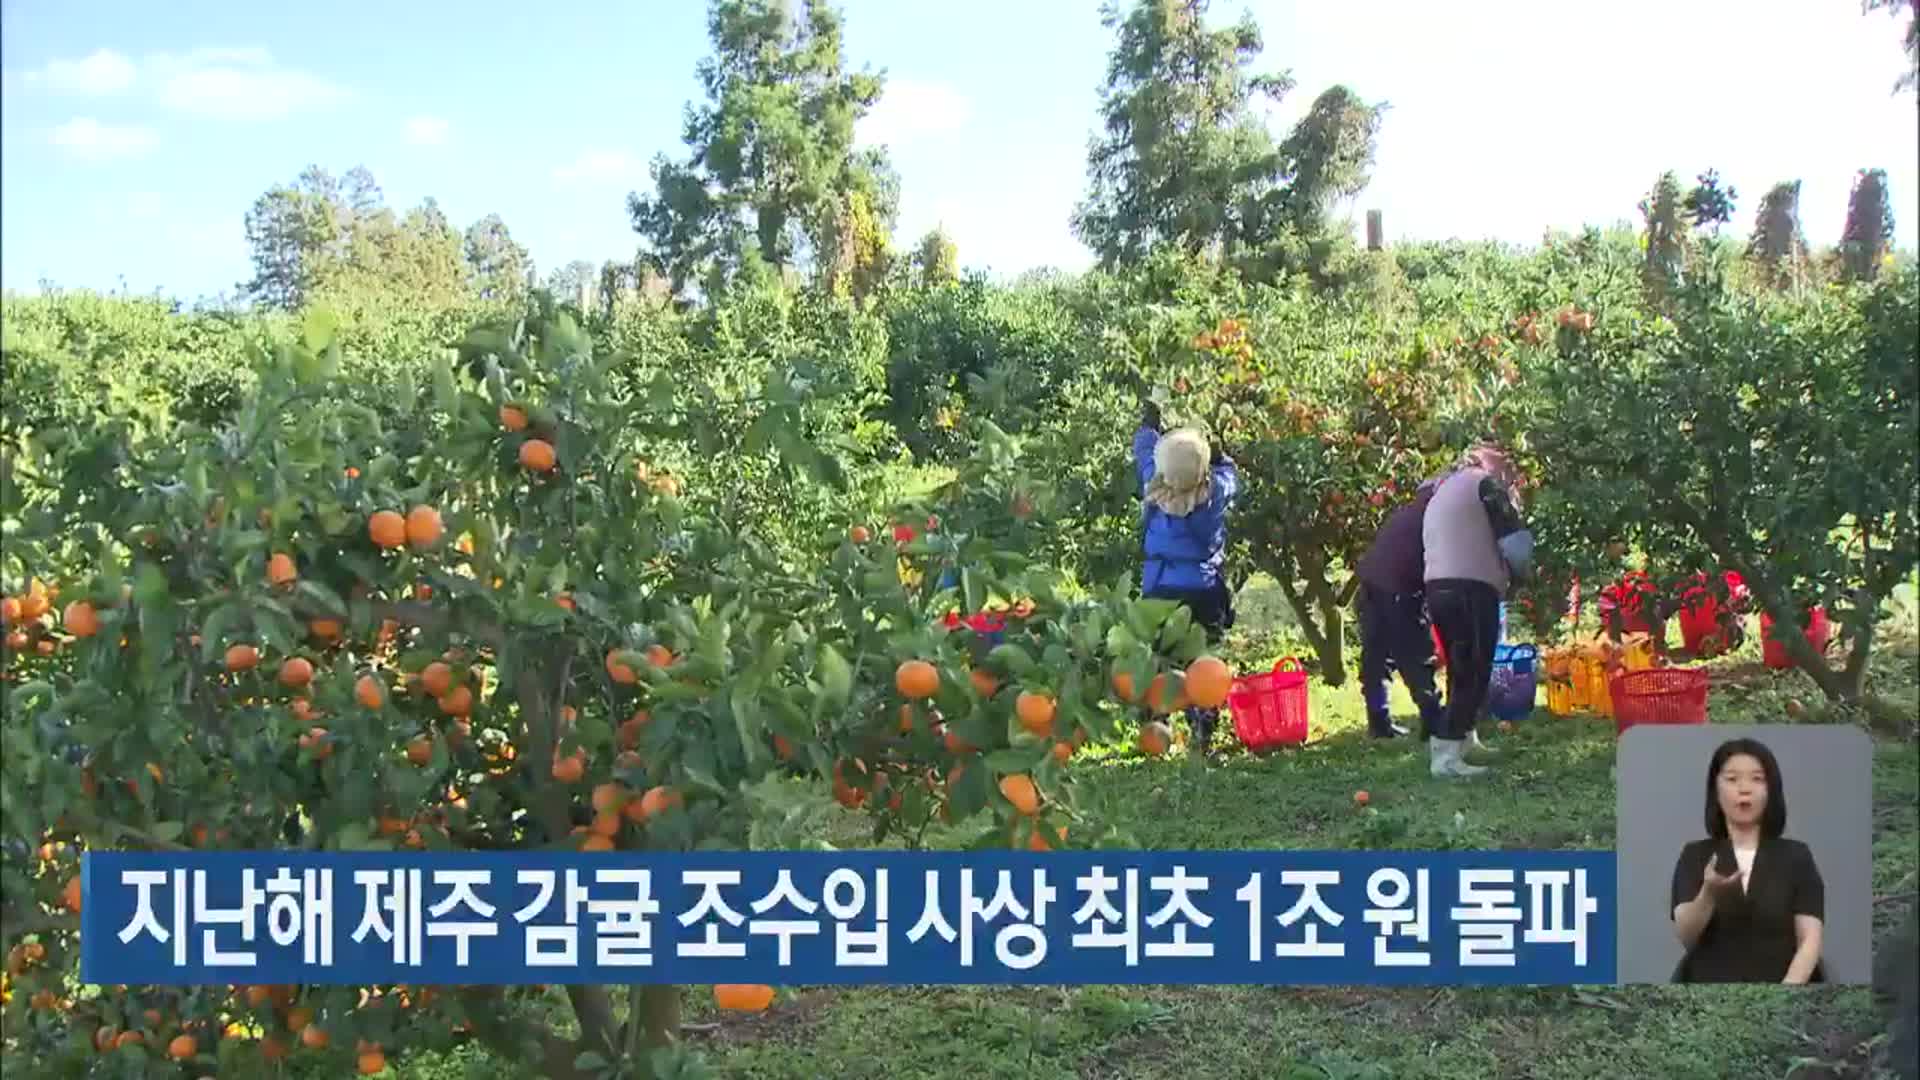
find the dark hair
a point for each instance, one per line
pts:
(1773, 820)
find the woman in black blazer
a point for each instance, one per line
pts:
(1748, 903)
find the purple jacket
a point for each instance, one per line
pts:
(1397, 561)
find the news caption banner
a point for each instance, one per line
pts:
(869, 917)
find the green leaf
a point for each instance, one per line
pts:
(318, 328)
(836, 678)
(169, 831)
(587, 1059)
(1017, 759)
(1011, 658)
(329, 601)
(446, 394)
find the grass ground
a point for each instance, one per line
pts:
(1553, 790)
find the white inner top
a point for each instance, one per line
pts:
(1744, 857)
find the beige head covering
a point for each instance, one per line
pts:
(1182, 478)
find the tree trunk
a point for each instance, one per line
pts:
(1323, 628)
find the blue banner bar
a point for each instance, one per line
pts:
(869, 917)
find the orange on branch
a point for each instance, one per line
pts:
(1019, 790)
(1208, 681)
(620, 672)
(513, 418)
(387, 529)
(281, 570)
(420, 750)
(296, 672)
(80, 619)
(659, 800)
(1036, 711)
(424, 527)
(537, 455)
(457, 701)
(242, 657)
(436, 678)
(369, 691)
(916, 679)
(1155, 739)
(569, 770)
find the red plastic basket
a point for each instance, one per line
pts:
(1659, 696)
(1270, 710)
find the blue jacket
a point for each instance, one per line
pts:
(1184, 552)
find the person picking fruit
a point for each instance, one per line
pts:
(1187, 487)
(1394, 632)
(1475, 543)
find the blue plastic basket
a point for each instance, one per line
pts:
(1510, 695)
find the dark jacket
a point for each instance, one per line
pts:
(1750, 938)
(1397, 561)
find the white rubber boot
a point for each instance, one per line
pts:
(1444, 760)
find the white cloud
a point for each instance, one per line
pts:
(602, 166)
(426, 131)
(91, 140)
(909, 110)
(101, 72)
(239, 84)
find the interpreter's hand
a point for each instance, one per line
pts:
(1716, 884)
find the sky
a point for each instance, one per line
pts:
(134, 135)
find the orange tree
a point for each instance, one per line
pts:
(1766, 434)
(1333, 419)
(475, 618)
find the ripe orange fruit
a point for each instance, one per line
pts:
(596, 842)
(80, 619)
(609, 798)
(273, 1048)
(1021, 792)
(955, 744)
(1157, 695)
(258, 996)
(1796, 709)
(387, 528)
(983, 682)
(371, 1062)
(314, 1037)
(607, 824)
(242, 657)
(1062, 752)
(1035, 711)
(70, 894)
(420, 750)
(659, 800)
(565, 600)
(860, 535)
(916, 679)
(660, 656)
(424, 527)
(513, 418)
(741, 997)
(782, 748)
(569, 770)
(1123, 687)
(9, 611)
(537, 454)
(128, 1038)
(1208, 680)
(182, 1047)
(436, 678)
(457, 701)
(1039, 840)
(620, 672)
(326, 629)
(369, 691)
(296, 672)
(280, 569)
(906, 719)
(1155, 738)
(1361, 798)
(299, 1019)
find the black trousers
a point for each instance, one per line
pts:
(1467, 614)
(1395, 637)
